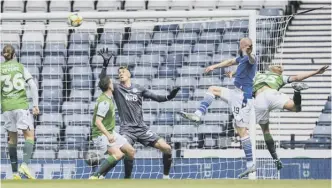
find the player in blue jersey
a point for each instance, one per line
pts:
(240, 98)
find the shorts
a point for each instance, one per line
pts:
(267, 101)
(102, 143)
(140, 134)
(18, 119)
(234, 97)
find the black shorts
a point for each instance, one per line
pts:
(140, 134)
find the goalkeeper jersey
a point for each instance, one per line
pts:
(270, 79)
(104, 108)
(13, 92)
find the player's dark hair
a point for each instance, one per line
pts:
(123, 67)
(8, 52)
(104, 83)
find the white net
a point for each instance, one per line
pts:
(65, 64)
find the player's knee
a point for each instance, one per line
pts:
(131, 153)
(29, 135)
(12, 139)
(118, 155)
(214, 90)
(167, 149)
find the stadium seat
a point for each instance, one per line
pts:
(228, 48)
(144, 72)
(210, 129)
(205, 4)
(13, 6)
(97, 61)
(183, 95)
(166, 72)
(162, 130)
(48, 106)
(163, 38)
(133, 49)
(174, 28)
(324, 119)
(205, 82)
(219, 106)
(327, 107)
(149, 118)
(36, 6)
(11, 27)
(50, 130)
(249, 5)
(198, 59)
(150, 106)
(226, 4)
(192, 27)
(51, 84)
(58, 27)
(134, 5)
(108, 5)
(186, 82)
(275, 4)
(162, 83)
(171, 106)
(233, 36)
(160, 49)
(111, 48)
(60, 6)
(239, 26)
(270, 12)
(186, 38)
(158, 4)
(165, 118)
(183, 133)
(215, 118)
(33, 37)
(68, 154)
(217, 58)
(77, 123)
(43, 154)
(74, 107)
(78, 60)
(34, 71)
(55, 49)
(79, 38)
(111, 38)
(322, 131)
(31, 60)
(34, 27)
(112, 71)
(31, 49)
(52, 95)
(146, 83)
(89, 27)
(56, 39)
(190, 71)
(80, 95)
(181, 4)
(79, 49)
(210, 37)
(81, 6)
(204, 48)
(96, 95)
(51, 119)
(151, 60)
(11, 38)
(216, 26)
(148, 154)
(181, 49)
(54, 60)
(129, 60)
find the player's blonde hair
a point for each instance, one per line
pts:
(8, 52)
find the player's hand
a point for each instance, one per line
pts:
(229, 74)
(107, 55)
(322, 69)
(209, 69)
(111, 138)
(173, 93)
(35, 110)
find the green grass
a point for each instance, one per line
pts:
(166, 183)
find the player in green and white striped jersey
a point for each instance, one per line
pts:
(15, 109)
(268, 98)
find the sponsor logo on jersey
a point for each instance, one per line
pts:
(131, 97)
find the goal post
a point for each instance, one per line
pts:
(213, 152)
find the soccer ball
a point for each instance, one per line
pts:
(75, 20)
(92, 158)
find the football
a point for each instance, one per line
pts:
(92, 158)
(75, 20)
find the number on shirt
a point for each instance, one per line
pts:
(15, 83)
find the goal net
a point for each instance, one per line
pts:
(161, 54)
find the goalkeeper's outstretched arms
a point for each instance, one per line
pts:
(160, 98)
(305, 75)
(107, 56)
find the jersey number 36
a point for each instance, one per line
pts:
(17, 82)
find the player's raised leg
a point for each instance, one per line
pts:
(167, 156)
(210, 95)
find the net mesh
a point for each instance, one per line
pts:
(65, 64)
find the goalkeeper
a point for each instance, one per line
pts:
(103, 134)
(268, 98)
(128, 98)
(15, 109)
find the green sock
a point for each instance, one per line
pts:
(105, 166)
(27, 150)
(12, 149)
(270, 145)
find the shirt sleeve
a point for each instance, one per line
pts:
(285, 79)
(103, 108)
(27, 75)
(237, 60)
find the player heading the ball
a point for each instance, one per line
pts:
(240, 98)
(15, 109)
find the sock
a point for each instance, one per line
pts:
(27, 150)
(297, 100)
(128, 165)
(167, 161)
(270, 145)
(12, 149)
(205, 103)
(246, 144)
(109, 168)
(105, 166)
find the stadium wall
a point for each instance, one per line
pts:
(294, 168)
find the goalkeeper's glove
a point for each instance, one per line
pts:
(107, 56)
(172, 94)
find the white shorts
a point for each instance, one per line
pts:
(102, 143)
(234, 97)
(267, 101)
(18, 119)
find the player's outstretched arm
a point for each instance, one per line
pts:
(305, 75)
(107, 56)
(34, 91)
(222, 64)
(160, 98)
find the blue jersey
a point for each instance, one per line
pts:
(244, 76)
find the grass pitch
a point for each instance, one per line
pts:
(166, 183)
